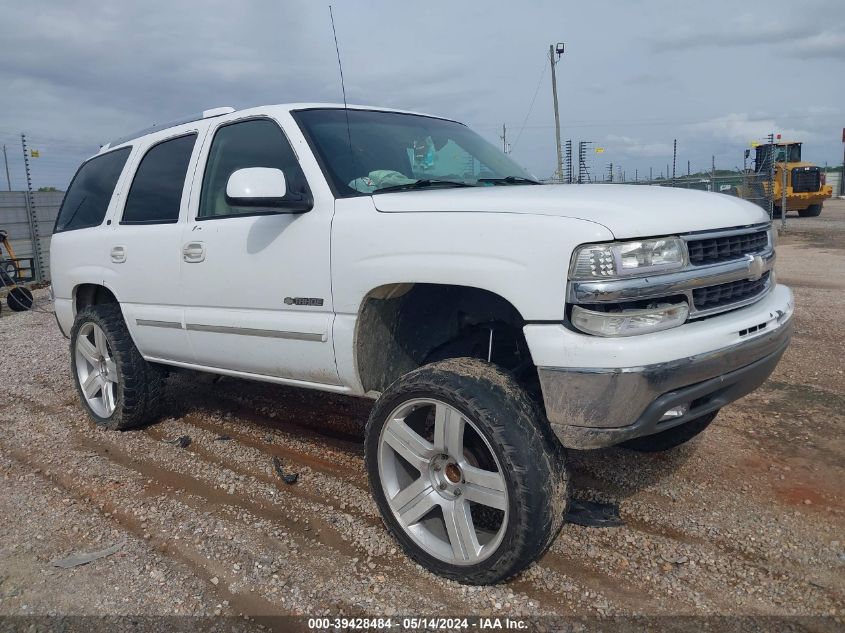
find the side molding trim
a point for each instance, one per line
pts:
(242, 331)
(246, 331)
(173, 325)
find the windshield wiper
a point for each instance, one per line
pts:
(422, 184)
(511, 180)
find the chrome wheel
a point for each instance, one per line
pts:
(96, 369)
(443, 482)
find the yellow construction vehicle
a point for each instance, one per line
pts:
(806, 189)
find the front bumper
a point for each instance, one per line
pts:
(802, 200)
(593, 407)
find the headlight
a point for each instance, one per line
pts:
(629, 322)
(597, 261)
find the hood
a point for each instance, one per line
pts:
(626, 210)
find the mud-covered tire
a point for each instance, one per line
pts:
(139, 387)
(667, 440)
(813, 211)
(530, 461)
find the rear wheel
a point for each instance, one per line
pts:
(117, 387)
(667, 440)
(813, 211)
(463, 473)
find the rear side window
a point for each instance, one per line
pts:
(156, 191)
(90, 191)
(252, 143)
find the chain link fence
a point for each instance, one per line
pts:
(754, 183)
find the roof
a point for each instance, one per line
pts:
(220, 111)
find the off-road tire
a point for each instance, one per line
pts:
(667, 440)
(531, 458)
(813, 211)
(776, 212)
(140, 386)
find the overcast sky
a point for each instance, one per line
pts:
(715, 75)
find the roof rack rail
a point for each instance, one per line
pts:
(205, 114)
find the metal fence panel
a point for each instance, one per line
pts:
(13, 218)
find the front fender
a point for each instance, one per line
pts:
(522, 258)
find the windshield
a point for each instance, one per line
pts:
(392, 151)
(788, 153)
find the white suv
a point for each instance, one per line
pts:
(386, 254)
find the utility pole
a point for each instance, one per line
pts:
(674, 158)
(504, 138)
(842, 173)
(636, 175)
(610, 172)
(771, 192)
(650, 174)
(559, 50)
(783, 198)
(6, 162)
(31, 214)
(688, 170)
(712, 173)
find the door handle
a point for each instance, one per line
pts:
(118, 254)
(193, 252)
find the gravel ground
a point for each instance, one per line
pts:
(746, 520)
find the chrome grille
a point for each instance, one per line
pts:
(731, 293)
(713, 250)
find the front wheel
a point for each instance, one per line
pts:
(464, 475)
(813, 211)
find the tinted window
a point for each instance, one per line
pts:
(156, 191)
(255, 143)
(90, 191)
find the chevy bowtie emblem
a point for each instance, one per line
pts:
(755, 267)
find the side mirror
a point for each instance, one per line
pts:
(256, 186)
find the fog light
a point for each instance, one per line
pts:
(630, 322)
(675, 412)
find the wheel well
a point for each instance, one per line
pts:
(92, 294)
(404, 326)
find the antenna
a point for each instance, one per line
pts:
(343, 88)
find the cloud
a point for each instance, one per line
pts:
(809, 35)
(74, 75)
(742, 128)
(634, 147)
(828, 44)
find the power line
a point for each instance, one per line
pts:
(531, 107)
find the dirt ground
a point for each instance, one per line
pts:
(746, 520)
